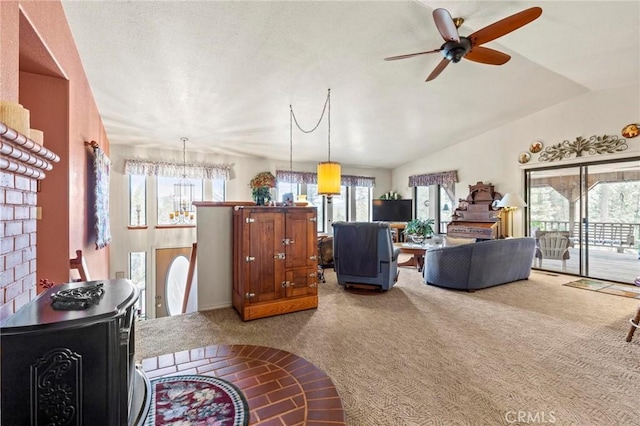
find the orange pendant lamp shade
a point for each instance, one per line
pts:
(328, 178)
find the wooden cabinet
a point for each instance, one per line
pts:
(275, 260)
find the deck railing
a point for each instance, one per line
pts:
(619, 235)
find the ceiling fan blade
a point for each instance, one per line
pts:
(410, 55)
(485, 55)
(504, 26)
(445, 25)
(436, 72)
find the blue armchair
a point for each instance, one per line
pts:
(363, 253)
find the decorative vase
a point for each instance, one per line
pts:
(417, 238)
(261, 195)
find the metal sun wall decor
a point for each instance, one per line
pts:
(605, 144)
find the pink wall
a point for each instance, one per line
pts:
(9, 27)
(61, 104)
(46, 98)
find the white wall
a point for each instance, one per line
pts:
(244, 169)
(493, 156)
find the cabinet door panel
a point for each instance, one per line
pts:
(301, 232)
(266, 270)
(301, 282)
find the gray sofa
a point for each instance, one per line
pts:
(479, 265)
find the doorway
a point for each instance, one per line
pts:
(597, 206)
(172, 266)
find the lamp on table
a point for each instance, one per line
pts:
(509, 203)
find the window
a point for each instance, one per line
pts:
(434, 202)
(165, 197)
(422, 202)
(137, 200)
(138, 275)
(340, 211)
(287, 188)
(446, 208)
(362, 203)
(217, 190)
(318, 202)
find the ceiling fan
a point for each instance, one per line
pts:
(456, 47)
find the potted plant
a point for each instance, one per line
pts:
(261, 186)
(419, 229)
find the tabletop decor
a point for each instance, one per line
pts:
(391, 195)
(419, 229)
(261, 186)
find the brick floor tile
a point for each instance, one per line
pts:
(161, 372)
(182, 357)
(211, 351)
(197, 354)
(288, 392)
(261, 389)
(193, 364)
(325, 404)
(166, 360)
(150, 364)
(258, 402)
(275, 409)
(325, 415)
(294, 417)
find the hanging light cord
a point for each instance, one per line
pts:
(291, 138)
(325, 108)
(184, 158)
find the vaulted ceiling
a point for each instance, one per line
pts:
(223, 74)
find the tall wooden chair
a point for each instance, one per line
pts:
(80, 264)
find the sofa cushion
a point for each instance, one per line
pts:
(451, 241)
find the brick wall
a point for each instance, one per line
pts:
(17, 242)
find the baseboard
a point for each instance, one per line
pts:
(216, 306)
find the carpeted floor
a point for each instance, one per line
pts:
(421, 355)
(607, 287)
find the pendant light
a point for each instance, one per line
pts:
(329, 171)
(183, 194)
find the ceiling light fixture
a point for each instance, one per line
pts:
(183, 194)
(329, 171)
(329, 178)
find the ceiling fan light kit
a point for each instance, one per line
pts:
(456, 47)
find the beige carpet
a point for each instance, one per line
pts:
(421, 355)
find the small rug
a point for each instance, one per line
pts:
(196, 400)
(606, 287)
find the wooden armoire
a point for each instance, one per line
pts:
(275, 260)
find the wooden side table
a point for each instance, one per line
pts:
(416, 250)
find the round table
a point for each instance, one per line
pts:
(417, 250)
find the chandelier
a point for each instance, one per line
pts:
(328, 171)
(183, 211)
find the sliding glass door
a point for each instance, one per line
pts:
(586, 219)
